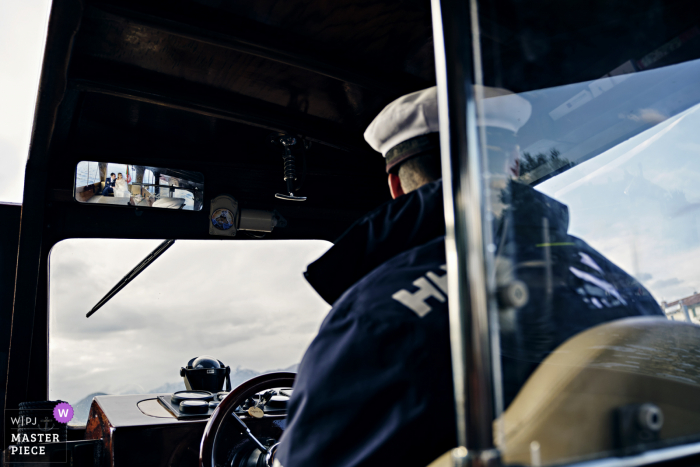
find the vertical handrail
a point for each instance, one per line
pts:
(455, 32)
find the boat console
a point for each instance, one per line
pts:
(146, 430)
(138, 430)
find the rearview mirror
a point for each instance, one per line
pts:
(138, 185)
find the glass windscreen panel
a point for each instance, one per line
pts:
(138, 185)
(228, 300)
(588, 123)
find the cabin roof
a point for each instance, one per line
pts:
(200, 85)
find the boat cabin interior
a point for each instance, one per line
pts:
(99, 187)
(244, 121)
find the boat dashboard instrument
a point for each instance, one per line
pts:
(180, 396)
(147, 430)
(207, 374)
(194, 407)
(189, 404)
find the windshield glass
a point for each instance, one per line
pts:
(646, 191)
(244, 302)
(589, 139)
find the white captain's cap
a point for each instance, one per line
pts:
(408, 127)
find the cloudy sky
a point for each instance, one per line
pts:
(639, 204)
(22, 35)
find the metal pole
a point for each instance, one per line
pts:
(455, 32)
(685, 312)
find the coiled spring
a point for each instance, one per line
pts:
(290, 171)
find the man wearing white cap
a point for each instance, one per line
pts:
(375, 385)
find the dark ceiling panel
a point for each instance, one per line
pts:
(130, 44)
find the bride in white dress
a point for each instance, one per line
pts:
(121, 189)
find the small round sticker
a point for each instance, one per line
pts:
(222, 219)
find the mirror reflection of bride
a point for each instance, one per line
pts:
(121, 189)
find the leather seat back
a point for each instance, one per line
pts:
(567, 404)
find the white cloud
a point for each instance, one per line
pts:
(22, 35)
(646, 116)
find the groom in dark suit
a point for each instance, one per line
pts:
(109, 185)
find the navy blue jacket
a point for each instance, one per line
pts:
(375, 385)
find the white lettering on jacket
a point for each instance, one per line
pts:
(416, 300)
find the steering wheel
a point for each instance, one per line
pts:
(225, 442)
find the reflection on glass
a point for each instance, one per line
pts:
(646, 190)
(138, 185)
(594, 195)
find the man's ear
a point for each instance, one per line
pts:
(395, 186)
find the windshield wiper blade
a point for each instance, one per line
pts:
(131, 275)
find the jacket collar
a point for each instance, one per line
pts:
(416, 218)
(396, 226)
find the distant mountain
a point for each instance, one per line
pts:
(169, 388)
(292, 369)
(81, 410)
(238, 375)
